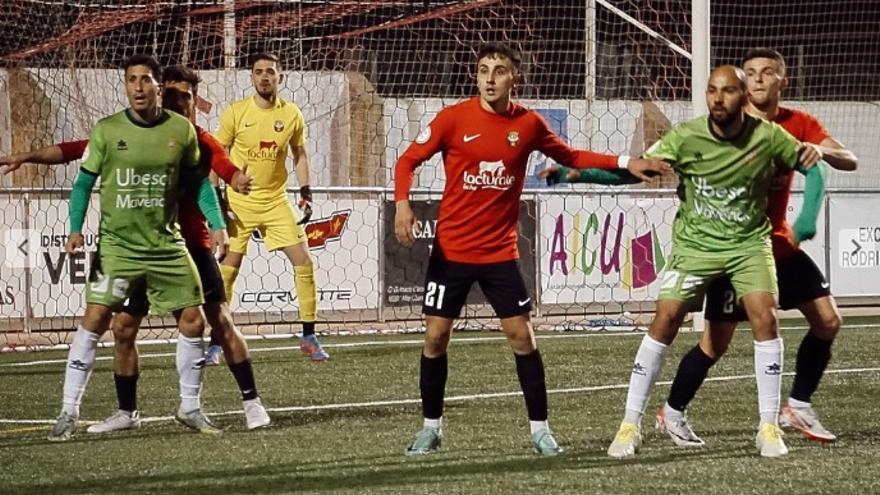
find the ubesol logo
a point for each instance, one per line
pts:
(491, 175)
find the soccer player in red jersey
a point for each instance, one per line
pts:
(486, 142)
(179, 91)
(801, 283)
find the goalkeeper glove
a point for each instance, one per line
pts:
(305, 204)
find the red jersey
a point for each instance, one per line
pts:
(192, 222)
(484, 156)
(805, 128)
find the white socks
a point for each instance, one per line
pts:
(798, 404)
(768, 374)
(646, 369)
(433, 423)
(80, 361)
(535, 426)
(189, 370)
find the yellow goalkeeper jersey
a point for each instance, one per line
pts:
(259, 137)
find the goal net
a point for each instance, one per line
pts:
(608, 75)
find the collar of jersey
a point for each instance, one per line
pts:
(748, 124)
(277, 104)
(163, 116)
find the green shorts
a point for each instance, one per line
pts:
(687, 276)
(171, 281)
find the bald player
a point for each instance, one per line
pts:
(726, 163)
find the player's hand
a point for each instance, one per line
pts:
(242, 181)
(647, 169)
(220, 241)
(808, 155)
(74, 243)
(12, 162)
(404, 220)
(557, 174)
(305, 204)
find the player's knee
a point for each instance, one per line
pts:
(764, 324)
(664, 326)
(436, 343)
(828, 326)
(124, 335)
(191, 323)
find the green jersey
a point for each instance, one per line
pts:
(724, 183)
(140, 167)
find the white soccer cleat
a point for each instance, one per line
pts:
(627, 441)
(122, 420)
(255, 414)
(65, 426)
(196, 420)
(806, 421)
(678, 429)
(769, 441)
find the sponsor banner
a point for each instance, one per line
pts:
(58, 280)
(604, 248)
(16, 253)
(343, 241)
(405, 267)
(855, 245)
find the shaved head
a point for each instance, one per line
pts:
(728, 73)
(726, 95)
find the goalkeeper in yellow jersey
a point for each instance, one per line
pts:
(258, 130)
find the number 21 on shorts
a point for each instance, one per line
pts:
(434, 293)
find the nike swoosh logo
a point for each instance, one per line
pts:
(248, 125)
(523, 303)
(825, 285)
(468, 139)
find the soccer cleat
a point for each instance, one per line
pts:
(65, 426)
(627, 441)
(196, 420)
(545, 444)
(213, 355)
(679, 430)
(805, 420)
(769, 441)
(122, 420)
(310, 346)
(255, 414)
(427, 440)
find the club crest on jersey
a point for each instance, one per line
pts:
(424, 136)
(513, 138)
(279, 126)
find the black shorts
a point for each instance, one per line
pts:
(209, 273)
(448, 283)
(799, 280)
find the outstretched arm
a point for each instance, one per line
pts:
(50, 155)
(558, 174)
(814, 192)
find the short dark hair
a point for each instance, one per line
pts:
(765, 53)
(501, 49)
(144, 59)
(265, 56)
(182, 73)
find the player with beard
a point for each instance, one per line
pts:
(801, 283)
(726, 162)
(179, 90)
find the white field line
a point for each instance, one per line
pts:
(456, 398)
(341, 345)
(380, 343)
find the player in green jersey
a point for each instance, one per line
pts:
(143, 155)
(726, 162)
